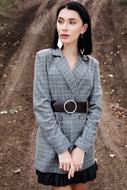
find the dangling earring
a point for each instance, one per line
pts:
(82, 50)
(59, 43)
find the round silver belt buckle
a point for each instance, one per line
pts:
(66, 108)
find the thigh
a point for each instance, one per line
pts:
(67, 187)
(79, 186)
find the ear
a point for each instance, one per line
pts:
(84, 28)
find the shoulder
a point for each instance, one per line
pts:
(93, 60)
(43, 58)
(43, 53)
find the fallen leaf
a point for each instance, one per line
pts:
(112, 155)
(110, 75)
(17, 171)
(3, 112)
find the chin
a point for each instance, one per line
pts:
(67, 42)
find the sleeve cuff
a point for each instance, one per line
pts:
(63, 148)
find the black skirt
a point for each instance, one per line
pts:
(56, 179)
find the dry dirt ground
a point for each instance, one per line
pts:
(25, 29)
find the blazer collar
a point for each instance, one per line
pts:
(59, 53)
(68, 75)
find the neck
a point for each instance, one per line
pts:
(70, 50)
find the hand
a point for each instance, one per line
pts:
(78, 157)
(66, 162)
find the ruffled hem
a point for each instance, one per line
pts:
(56, 179)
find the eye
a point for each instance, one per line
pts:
(72, 22)
(60, 21)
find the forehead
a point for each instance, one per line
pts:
(68, 14)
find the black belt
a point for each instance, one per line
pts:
(69, 106)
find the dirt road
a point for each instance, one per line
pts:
(17, 122)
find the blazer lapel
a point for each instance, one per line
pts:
(74, 77)
(63, 67)
(81, 68)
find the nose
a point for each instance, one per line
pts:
(65, 27)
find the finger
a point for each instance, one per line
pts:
(65, 166)
(60, 165)
(80, 166)
(72, 170)
(68, 167)
(69, 174)
(76, 168)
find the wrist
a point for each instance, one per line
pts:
(80, 149)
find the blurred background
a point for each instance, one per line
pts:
(26, 26)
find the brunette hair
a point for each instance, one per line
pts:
(85, 40)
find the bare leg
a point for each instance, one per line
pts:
(67, 187)
(79, 186)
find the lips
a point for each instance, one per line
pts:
(64, 35)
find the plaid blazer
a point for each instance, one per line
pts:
(59, 131)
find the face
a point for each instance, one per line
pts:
(70, 26)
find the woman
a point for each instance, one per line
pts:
(67, 99)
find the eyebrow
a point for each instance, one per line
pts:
(68, 19)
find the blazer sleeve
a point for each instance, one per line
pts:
(86, 140)
(42, 107)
